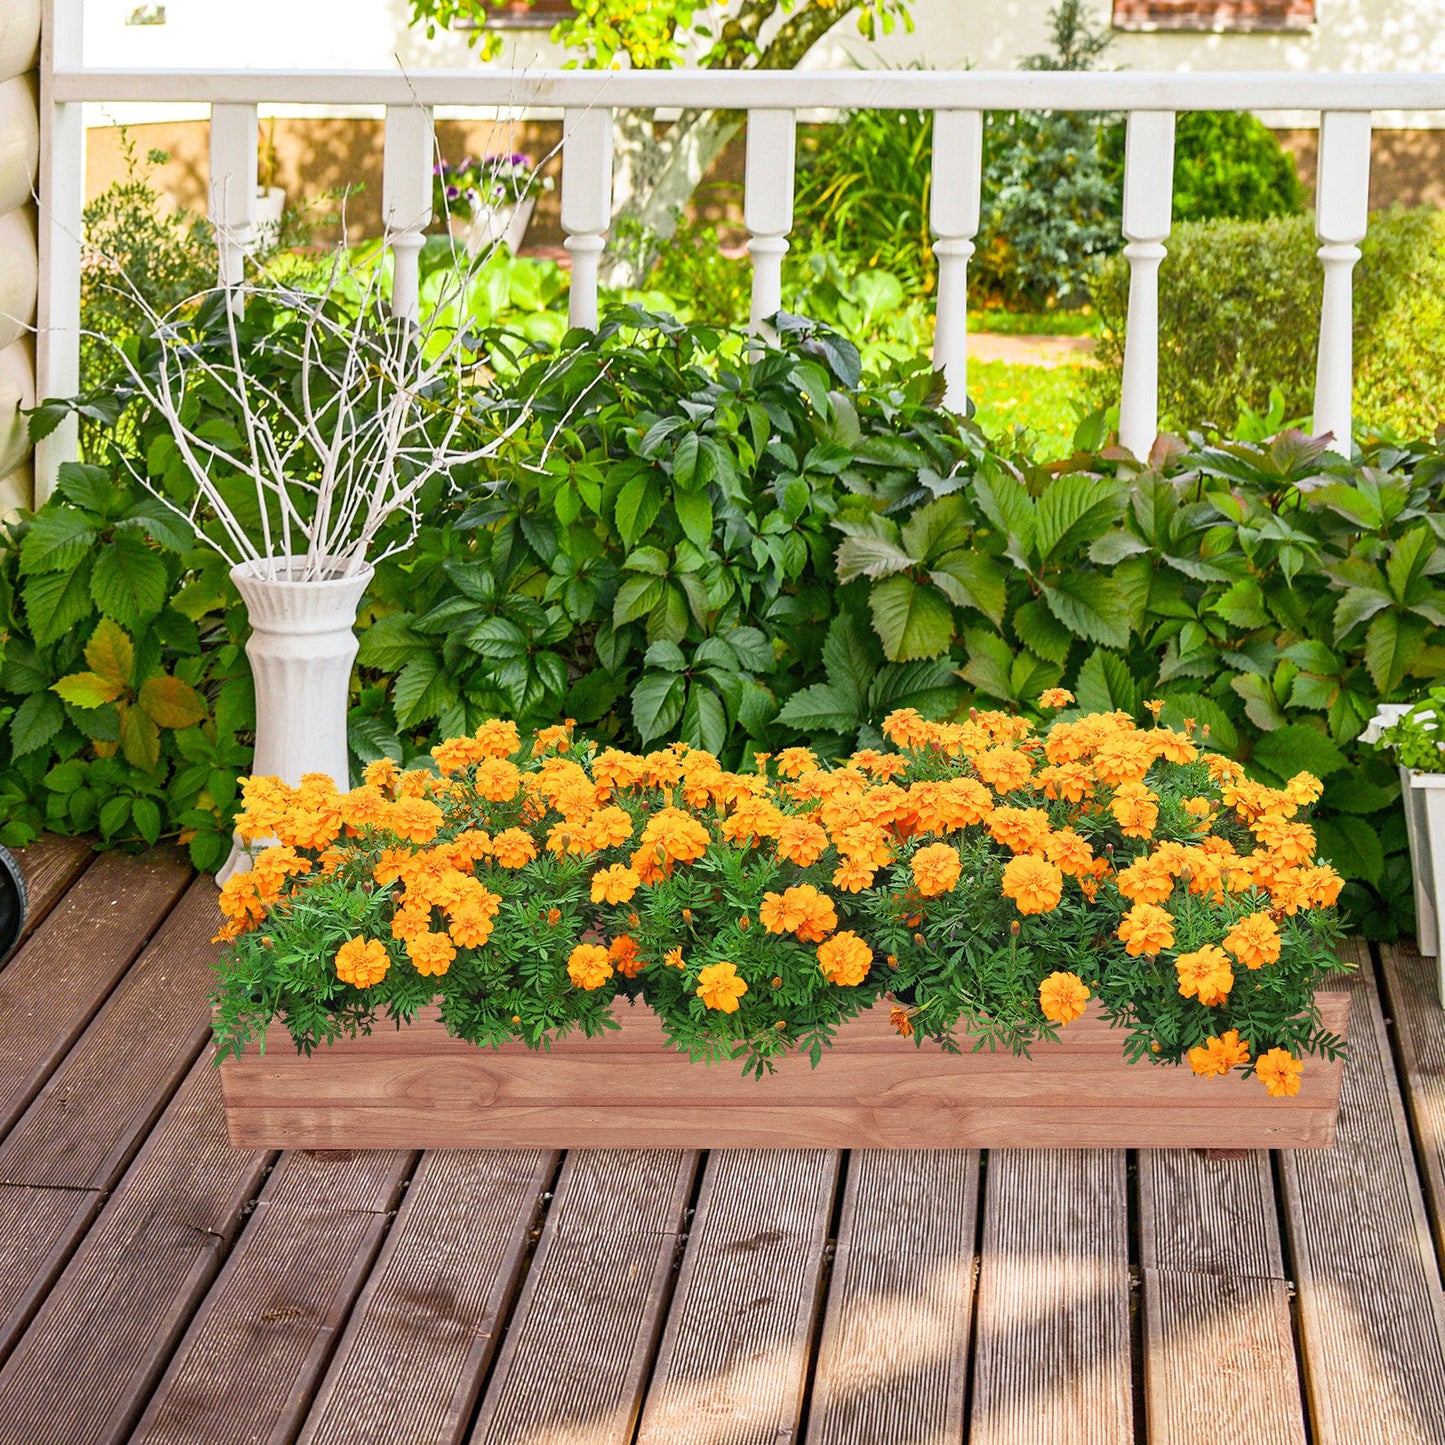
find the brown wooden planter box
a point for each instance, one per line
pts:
(418, 1088)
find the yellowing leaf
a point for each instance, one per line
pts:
(87, 689)
(171, 703)
(110, 654)
(140, 738)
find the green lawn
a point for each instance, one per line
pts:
(1046, 399)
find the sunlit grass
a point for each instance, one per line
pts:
(1048, 400)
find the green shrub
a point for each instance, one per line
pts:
(1239, 306)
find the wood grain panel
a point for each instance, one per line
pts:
(39, 1229)
(1215, 1289)
(580, 1343)
(1052, 1359)
(252, 1357)
(893, 1360)
(417, 1087)
(426, 1326)
(85, 1124)
(1371, 1311)
(49, 866)
(53, 986)
(85, 1366)
(734, 1357)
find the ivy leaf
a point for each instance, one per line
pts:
(390, 643)
(912, 622)
(87, 690)
(990, 664)
(1242, 605)
(36, 721)
(970, 579)
(111, 655)
(370, 740)
(638, 504)
(1091, 606)
(140, 738)
(171, 703)
(868, 556)
(1352, 846)
(847, 662)
(129, 582)
(1260, 702)
(1074, 511)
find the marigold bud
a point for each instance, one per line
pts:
(1014, 928)
(516, 1018)
(745, 923)
(920, 940)
(777, 983)
(1186, 875)
(781, 1025)
(687, 915)
(893, 963)
(269, 944)
(660, 853)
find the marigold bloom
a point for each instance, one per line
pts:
(609, 828)
(1280, 1073)
(624, 956)
(1034, 884)
(1020, 830)
(1062, 997)
(558, 737)
(801, 910)
(1147, 880)
(362, 962)
(681, 837)
(1254, 940)
(457, 753)
(1217, 1057)
(1004, 769)
(801, 841)
(431, 953)
(936, 869)
(1146, 928)
(1205, 974)
(588, 966)
(902, 1020)
(673, 958)
(497, 780)
(513, 848)
(1055, 697)
(845, 959)
(851, 876)
(906, 727)
(498, 739)
(1123, 758)
(416, 819)
(616, 884)
(1073, 854)
(382, 774)
(720, 988)
(1136, 810)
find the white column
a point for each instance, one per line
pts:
(768, 207)
(1148, 201)
(1342, 200)
(406, 190)
(62, 199)
(953, 217)
(232, 190)
(586, 205)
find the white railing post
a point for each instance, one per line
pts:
(768, 207)
(1342, 201)
(232, 191)
(406, 209)
(62, 201)
(1148, 203)
(953, 217)
(586, 205)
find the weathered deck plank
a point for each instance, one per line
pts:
(733, 1361)
(85, 1366)
(263, 1335)
(1052, 1362)
(50, 866)
(1215, 1289)
(1372, 1315)
(52, 987)
(577, 1352)
(893, 1357)
(427, 1325)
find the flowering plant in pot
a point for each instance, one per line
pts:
(488, 201)
(985, 881)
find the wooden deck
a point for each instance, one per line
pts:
(158, 1285)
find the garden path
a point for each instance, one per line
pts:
(157, 1285)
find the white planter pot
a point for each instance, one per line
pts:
(301, 649)
(270, 207)
(506, 224)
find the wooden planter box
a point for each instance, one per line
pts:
(418, 1088)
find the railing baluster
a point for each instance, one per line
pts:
(232, 189)
(1148, 202)
(1342, 201)
(406, 190)
(586, 205)
(953, 217)
(62, 200)
(768, 207)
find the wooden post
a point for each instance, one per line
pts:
(1148, 201)
(62, 200)
(953, 216)
(586, 205)
(232, 191)
(406, 189)
(768, 207)
(1342, 199)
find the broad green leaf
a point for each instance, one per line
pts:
(1041, 632)
(1074, 511)
(140, 738)
(636, 598)
(1392, 644)
(57, 601)
(1010, 508)
(422, 690)
(1242, 605)
(684, 461)
(170, 702)
(1091, 606)
(1295, 749)
(371, 740)
(990, 664)
(704, 724)
(848, 660)
(665, 656)
(1352, 791)
(1259, 700)
(934, 529)
(87, 690)
(694, 515)
(1357, 605)
(1352, 846)
(35, 723)
(497, 637)
(129, 582)
(390, 643)
(1105, 685)
(1412, 557)
(58, 538)
(821, 708)
(638, 504)
(111, 655)
(911, 621)
(971, 579)
(865, 556)
(657, 704)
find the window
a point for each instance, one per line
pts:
(1214, 14)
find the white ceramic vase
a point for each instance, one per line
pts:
(270, 207)
(506, 222)
(301, 649)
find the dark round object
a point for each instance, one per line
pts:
(14, 904)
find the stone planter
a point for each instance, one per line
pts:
(301, 649)
(416, 1087)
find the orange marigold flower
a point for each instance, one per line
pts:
(906, 727)
(1205, 974)
(801, 910)
(679, 835)
(1034, 884)
(1062, 997)
(795, 762)
(1280, 1072)
(1073, 854)
(1147, 880)
(1136, 810)
(431, 953)
(1172, 746)
(1146, 929)
(845, 959)
(1123, 758)
(558, 736)
(609, 828)
(418, 820)
(1304, 789)
(673, 958)
(471, 925)
(588, 966)
(1020, 830)
(498, 739)
(1254, 940)
(801, 841)
(1055, 697)
(513, 848)
(624, 956)
(720, 988)
(457, 753)
(1291, 842)
(497, 780)
(382, 773)
(1197, 807)
(616, 884)
(362, 962)
(1004, 769)
(902, 1020)
(411, 920)
(936, 869)
(853, 876)
(1217, 1057)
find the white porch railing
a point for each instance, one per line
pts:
(772, 101)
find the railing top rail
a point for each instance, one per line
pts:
(786, 90)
